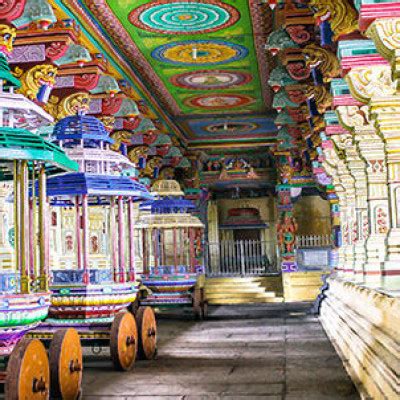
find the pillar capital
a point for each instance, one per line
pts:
(385, 32)
(353, 116)
(385, 113)
(370, 81)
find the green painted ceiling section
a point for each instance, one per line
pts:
(224, 26)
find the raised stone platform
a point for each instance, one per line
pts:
(246, 290)
(364, 327)
(302, 286)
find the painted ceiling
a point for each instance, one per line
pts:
(203, 60)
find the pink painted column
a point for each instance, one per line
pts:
(32, 227)
(191, 249)
(132, 266)
(155, 249)
(121, 237)
(144, 249)
(78, 233)
(113, 235)
(175, 249)
(162, 247)
(85, 237)
(181, 245)
(25, 250)
(46, 208)
(17, 216)
(44, 224)
(31, 239)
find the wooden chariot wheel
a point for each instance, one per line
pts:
(147, 328)
(66, 365)
(123, 341)
(28, 374)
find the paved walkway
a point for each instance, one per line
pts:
(242, 352)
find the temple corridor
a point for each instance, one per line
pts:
(180, 180)
(241, 352)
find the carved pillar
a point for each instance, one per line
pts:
(385, 113)
(357, 169)
(351, 117)
(336, 232)
(286, 229)
(213, 237)
(348, 209)
(371, 190)
(372, 149)
(330, 162)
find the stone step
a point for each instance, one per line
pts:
(240, 295)
(234, 279)
(246, 301)
(235, 286)
(235, 290)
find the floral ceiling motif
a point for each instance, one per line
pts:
(184, 49)
(212, 79)
(184, 17)
(218, 101)
(200, 52)
(232, 127)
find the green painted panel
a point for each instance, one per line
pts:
(203, 52)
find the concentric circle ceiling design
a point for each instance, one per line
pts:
(200, 52)
(219, 101)
(207, 79)
(184, 17)
(228, 127)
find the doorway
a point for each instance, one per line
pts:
(246, 234)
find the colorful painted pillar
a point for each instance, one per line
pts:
(334, 163)
(329, 161)
(369, 161)
(336, 230)
(348, 183)
(356, 191)
(286, 229)
(372, 84)
(385, 114)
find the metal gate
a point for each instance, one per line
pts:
(241, 258)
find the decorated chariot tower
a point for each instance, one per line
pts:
(172, 249)
(26, 161)
(93, 270)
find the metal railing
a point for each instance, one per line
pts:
(306, 241)
(241, 258)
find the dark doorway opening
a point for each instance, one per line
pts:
(246, 234)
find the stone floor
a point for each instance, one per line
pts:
(241, 352)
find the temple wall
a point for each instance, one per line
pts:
(313, 216)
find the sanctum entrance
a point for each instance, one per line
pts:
(240, 258)
(242, 247)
